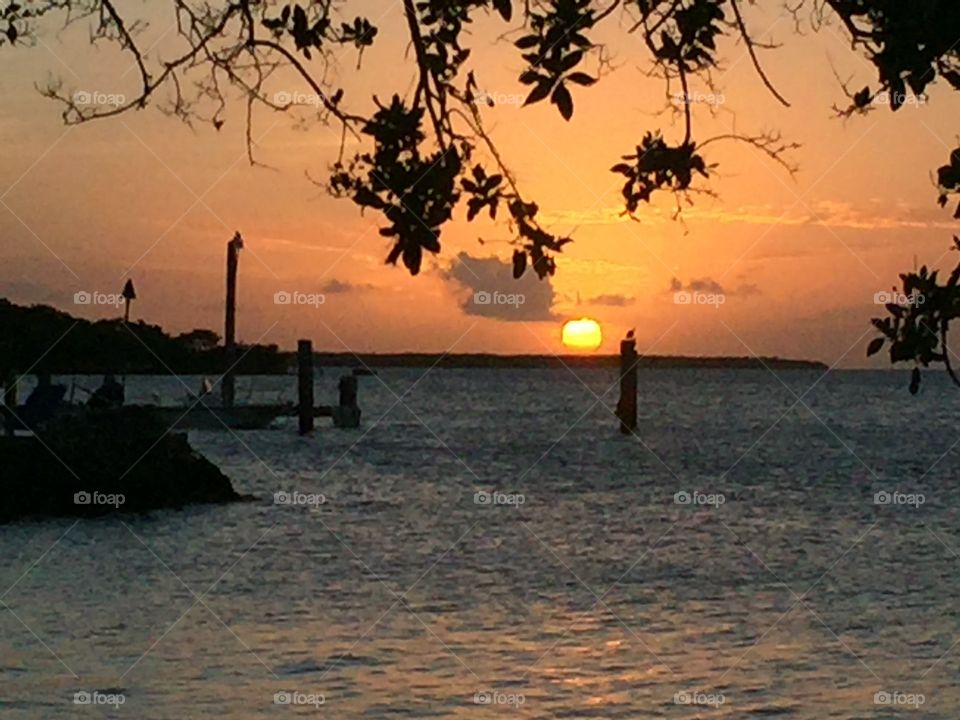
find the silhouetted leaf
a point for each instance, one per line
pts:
(539, 92)
(527, 42)
(875, 345)
(580, 78)
(505, 8)
(519, 263)
(562, 99)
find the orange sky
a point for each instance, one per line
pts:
(799, 260)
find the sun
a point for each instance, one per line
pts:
(582, 334)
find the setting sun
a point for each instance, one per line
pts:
(582, 334)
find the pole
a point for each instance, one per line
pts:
(230, 321)
(627, 405)
(305, 384)
(10, 403)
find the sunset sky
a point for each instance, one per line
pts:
(798, 259)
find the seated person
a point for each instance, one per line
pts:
(109, 395)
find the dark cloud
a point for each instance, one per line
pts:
(489, 290)
(710, 286)
(614, 300)
(337, 287)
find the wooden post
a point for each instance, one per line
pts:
(347, 412)
(129, 295)
(10, 403)
(230, 322)
(305, 384)
(627, 405)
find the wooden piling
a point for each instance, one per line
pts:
(305, 384)
(230, 321)
(347, 412)
(627, 405)
(10, 401)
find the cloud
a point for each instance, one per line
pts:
(613, 300)
(488, 289)
(710, 286)
(338, 287)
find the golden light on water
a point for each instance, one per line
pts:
(582, 334)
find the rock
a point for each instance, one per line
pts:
(101, 462)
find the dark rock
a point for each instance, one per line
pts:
(100, 462)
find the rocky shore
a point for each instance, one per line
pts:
(98, 463)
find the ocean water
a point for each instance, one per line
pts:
(488, 544)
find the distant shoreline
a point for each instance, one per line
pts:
(488, 360)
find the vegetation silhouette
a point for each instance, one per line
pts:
(69, 345)
(427, 150)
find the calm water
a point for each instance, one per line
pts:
(597, 596)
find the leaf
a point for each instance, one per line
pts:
(571, 60)
(539, 92)
(11, 33)
(562, 99)
(519, 263)
(527, 42)
(915, 381)
(875, 345)
(580, 78)
(505, 8)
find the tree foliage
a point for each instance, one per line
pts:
(425, 151)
